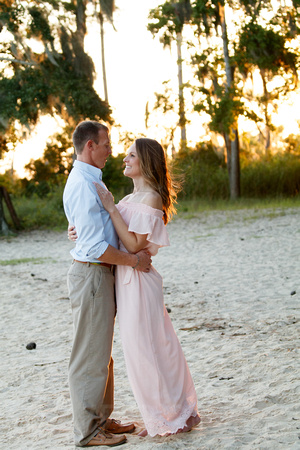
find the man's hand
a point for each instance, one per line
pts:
(145, 261)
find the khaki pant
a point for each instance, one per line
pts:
(91, 292)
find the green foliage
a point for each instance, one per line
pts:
(52, 169)
(114, 179)
(78, 95)
(263, 48)
(292, 144)
(274, 176)
(15, 262)
(50, 89)
(224, 109)
(24, 96)
(206, 177)
(14, 186)
(3, 146)
(265, 182)
(58, 80)
(39, 26)
(169, 18)
(188, 209)
(127, 138)
(263, 36)
(11, 14)
(35, 212)
(204, 172)
(207, 13)
(163, 102)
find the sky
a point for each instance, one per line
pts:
(136, 67)
(137, 64)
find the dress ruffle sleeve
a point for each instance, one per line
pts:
(146, 220)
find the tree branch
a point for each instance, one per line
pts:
(18, 61)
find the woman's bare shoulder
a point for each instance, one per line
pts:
(126, 198)
(153, 199)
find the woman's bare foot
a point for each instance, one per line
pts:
(190, 423)
(143, 433)
(183, 430)
(193, 421)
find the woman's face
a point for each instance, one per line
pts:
(132, 163)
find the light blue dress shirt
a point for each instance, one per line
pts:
(84, 209)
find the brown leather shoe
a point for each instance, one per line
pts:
(116, 427)
(104, 438)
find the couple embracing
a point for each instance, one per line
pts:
(112, 268)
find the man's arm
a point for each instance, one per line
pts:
(139, 261)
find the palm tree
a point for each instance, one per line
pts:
(182, 118)
(171, 17)
(107, 8)
(232, 144)
(207, 20)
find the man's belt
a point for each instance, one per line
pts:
(95, 263)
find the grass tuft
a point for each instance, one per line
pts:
(15, 262)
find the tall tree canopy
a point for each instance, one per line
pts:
(223, 58)
(45, 68)
(168, 20)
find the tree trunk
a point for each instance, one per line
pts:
(4, 229)
(182, 119)
(103, 56)
(81, 21)
(234, 162)
(266, 113)
(11, 208)
(228, 153)
(235, 168)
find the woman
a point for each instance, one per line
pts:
(156, 366)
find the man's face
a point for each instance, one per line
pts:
(101, 151)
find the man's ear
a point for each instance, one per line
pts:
(89, 144)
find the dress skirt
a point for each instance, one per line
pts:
(157, 370)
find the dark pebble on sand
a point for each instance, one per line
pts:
(293, 292)
(169, 310)
(31, 346)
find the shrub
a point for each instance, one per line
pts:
(35, 212)
(271, 177)
(204, 173)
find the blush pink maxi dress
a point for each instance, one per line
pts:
(157, 370)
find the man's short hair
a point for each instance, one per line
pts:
(86, 130)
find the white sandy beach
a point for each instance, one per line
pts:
(232, 281)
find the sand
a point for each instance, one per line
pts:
(232, 283)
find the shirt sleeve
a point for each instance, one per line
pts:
(89, 221)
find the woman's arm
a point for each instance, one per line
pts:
(115, 256)
(72, 233)
(133, 242)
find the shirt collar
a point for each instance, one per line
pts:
(97, 173)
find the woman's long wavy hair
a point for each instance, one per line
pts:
(154, 169)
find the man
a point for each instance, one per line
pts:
(91, 291)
